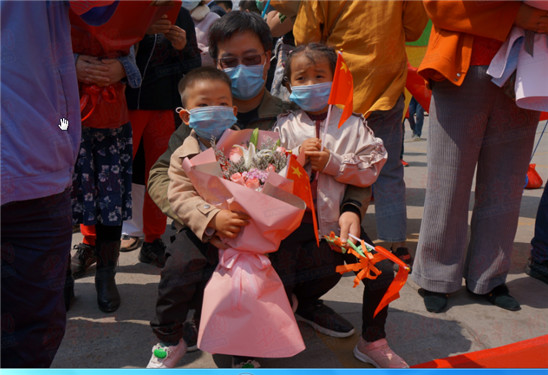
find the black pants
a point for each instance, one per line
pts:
(36, 239)
(189, 266)
(309, 271)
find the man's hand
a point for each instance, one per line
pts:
(228, 223)
(350, 223)
(177, 37)
(318, 159)
(530, 18)
(162, 26)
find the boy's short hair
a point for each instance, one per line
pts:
(238, 21)
(201, 74)
(227, 3)
(311, 51)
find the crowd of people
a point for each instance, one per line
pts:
(83, 142)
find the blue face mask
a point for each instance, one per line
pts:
(211, 122)
(311, 98)
(247, 81)
(190, 4)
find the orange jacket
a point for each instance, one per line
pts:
(454, 25)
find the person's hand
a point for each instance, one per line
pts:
(90, 70)
(228, 223)
(115, 71)
(533, 19)
(217, 242)
(318, 159)
(177, 37)
(162, 26)
(349, 222)
(310, 144)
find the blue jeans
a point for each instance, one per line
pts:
(389, 189)
(416, 109)
(36, 238)
(539, 251)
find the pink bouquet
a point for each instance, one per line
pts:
(245, 310)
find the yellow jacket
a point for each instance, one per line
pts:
(454, 24)
(372, 36)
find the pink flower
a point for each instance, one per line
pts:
(270, 168)
(281, 149)
(235, 154)
(253, 183)
(237, 178)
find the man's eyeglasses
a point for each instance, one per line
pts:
(232, 62)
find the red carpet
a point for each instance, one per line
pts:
(532, 353)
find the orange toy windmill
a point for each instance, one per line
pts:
(368, 255)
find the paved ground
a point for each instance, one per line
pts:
(123, 339)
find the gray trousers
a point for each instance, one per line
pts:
(475, 127)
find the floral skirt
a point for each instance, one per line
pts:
(101, 184)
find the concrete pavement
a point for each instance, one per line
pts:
(124, 339)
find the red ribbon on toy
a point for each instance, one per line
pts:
(92, 93)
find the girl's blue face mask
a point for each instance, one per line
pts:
(247, 81)
(311, 98)
(210, 122)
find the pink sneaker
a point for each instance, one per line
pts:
(379, 354)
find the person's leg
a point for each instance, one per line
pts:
(419, 112)
(502, 164)
(390, 206)
(107, 250)
(160, 127)
(85, 252)
(412, 110)
(538, 264)
(36, 238)
(457, 125)
(189, 264)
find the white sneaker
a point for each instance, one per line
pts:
(164, 356)
(379, 354)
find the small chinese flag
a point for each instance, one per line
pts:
(342, 89)
(301, 188)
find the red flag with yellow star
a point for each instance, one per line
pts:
(342, 89)
(301, 188)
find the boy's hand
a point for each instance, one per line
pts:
(177, 37)
(318, 159)
(228, 223)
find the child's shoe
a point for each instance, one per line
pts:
(244, 362)
(378, 353)
(167, 356)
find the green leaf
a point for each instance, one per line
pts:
(254, 137)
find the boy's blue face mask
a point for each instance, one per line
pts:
(190, 4)
(211, 122)
(311, 98)
(247, 81)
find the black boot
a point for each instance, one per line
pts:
(108, 297)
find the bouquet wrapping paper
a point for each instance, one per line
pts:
(245, 310)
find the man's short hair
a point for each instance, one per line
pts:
(237, 21)
(201, 74)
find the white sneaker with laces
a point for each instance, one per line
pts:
(378, 353)
(164, 356)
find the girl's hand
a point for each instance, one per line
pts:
(349, 222)
(90, 70)
(318, 159)
(177, 37)
(530, 18)
(115, 71)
